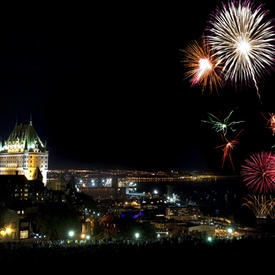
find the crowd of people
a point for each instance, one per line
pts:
(184, 250)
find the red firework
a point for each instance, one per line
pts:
(228, 147)
(258, 172)
(270, 122)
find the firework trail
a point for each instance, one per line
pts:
(222, 125)
(258, 172)
(203, 69)
(243, 40)
(228, 148)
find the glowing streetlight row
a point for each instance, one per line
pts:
(137, 235)
(83, 236)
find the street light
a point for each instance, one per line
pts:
(71, 233)
(137, 235)
(230, 230)
(8, 230)
(209, 239)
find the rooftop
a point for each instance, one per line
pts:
(23, 137)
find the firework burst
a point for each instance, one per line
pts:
(228, 147)
(261, 205)
(222, 125)
(203, 69)
(270, 122)
(258, 172)
(244, 40)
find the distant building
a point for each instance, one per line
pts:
(105, 193)
(18, 188)
(203, 229)
(23, 153)
(182, 213)
(57, 184)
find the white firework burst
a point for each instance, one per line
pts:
(244, 40)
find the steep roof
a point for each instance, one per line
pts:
(25, 135)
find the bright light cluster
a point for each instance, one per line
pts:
(6, 231)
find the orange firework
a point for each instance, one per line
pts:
(203, 68)
(261, 205)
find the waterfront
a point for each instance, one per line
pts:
(215, 196)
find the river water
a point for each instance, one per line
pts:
(218, 196)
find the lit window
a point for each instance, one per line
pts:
(24, 234)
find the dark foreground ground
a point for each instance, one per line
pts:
(200, 255)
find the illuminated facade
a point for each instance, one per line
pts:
(23, 153)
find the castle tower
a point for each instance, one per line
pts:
(23, 153)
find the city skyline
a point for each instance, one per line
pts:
(129, 130)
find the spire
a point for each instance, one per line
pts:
(31, 119)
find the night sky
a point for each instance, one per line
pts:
(106, 89)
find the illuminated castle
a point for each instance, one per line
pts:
(23, 153)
